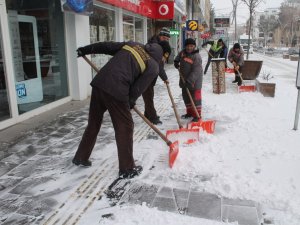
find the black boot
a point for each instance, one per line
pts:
(236, 79)
(85, 163)
(239, 81)
(130, 173)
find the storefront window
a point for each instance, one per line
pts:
(102, 28)
(4, 106)
(38, 45)
(133, 29)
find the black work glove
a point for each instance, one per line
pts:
(80, 52)
(189, 86)
(203, 45)
(176, 64)
(131, 103)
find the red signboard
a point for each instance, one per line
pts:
(205, 35)
(149, 8)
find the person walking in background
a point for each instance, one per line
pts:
(224, 52)
(214, 51)
(148, 96)
(236, 57)
(189, 63)
(116, 88)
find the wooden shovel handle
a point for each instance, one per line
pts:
(190, 96)
(174, 106)
(152, 126)
(90, 63)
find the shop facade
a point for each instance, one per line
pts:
(39, 68)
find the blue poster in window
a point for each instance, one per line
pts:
(21, 90)
(84, 7)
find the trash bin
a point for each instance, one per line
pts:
(218, 75)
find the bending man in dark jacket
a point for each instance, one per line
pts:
(115, 88)
(189, 62)
(148, 95)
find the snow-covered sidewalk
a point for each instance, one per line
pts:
(253, 156)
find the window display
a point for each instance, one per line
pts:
(38, 48)
(102, 28)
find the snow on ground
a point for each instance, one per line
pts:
(254, 153)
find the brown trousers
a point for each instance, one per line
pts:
(122, 123)
(148, 96)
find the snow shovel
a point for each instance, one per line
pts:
(209, 53)
(243, 87)
(209, 125)
(174, 147)
(182, 134)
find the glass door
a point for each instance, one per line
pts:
(4, 106)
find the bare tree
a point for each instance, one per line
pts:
(234, 5)
(252, 5)
(267, 25)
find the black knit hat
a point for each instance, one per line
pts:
(164, 32)
(189, 41)
(236, 45)
(166, 48)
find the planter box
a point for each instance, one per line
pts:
(266, 88)
(251, 69)
(294, 57)
(286, 56)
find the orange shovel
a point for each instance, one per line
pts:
(187, 135)
(173, 146)
(243, 87)
(209, 125)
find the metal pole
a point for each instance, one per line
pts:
(297, 111)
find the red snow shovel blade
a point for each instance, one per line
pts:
(229, 70)
(187, 136)
(208, 125)
(173, 152)
(247, 88)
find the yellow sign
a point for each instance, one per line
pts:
(201, 28)
(192, 25)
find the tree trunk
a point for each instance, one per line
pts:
(249, 32)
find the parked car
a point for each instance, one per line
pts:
(293, 51)
(269, 51)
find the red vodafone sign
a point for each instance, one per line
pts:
(149, 8)
(165, 10)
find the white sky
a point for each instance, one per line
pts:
(225, 7)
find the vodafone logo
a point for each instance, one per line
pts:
(163, 9)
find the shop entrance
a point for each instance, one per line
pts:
(26, 58)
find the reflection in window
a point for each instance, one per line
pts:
(4, 106)
(102, 28)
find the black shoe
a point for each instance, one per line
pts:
(195, 119)
(186, 116)
(86, 163)
(156, 121)
(239, 83)
(130, 173)
(235, 81)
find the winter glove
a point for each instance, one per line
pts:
(189, 86)
(131, 103)
(80, 52)
(203, 45)
(176, 64)
(166, 81)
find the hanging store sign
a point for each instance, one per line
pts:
(205, 35)
(150, 9)
(222, 22)
(192, 25)
(174, 32)
(84, 7)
